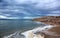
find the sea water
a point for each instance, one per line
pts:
(15, 27)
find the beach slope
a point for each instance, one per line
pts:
(51, 20)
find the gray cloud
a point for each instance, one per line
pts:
(28, 8)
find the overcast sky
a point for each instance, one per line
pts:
(16, 9)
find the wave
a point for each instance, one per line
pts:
(14, 35)
(29, 33)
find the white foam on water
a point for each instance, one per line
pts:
(14, 35)
(42, 28)
(8, 36)
(29, 33)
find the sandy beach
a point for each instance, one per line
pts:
(50, 20)
(50, 29)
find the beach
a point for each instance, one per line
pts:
(43, 27)
(53, 32)
(14, 28)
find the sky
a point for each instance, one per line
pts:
(27, 9)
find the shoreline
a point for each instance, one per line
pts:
(54, 32)
(36, 32)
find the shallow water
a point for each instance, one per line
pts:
(8, 27)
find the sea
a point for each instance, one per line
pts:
(12, 28)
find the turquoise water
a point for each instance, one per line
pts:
(10, 26)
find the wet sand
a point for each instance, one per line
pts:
(51, 20)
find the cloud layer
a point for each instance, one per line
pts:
(16, 9)
(41, 4)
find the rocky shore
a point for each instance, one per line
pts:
(50, 20)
